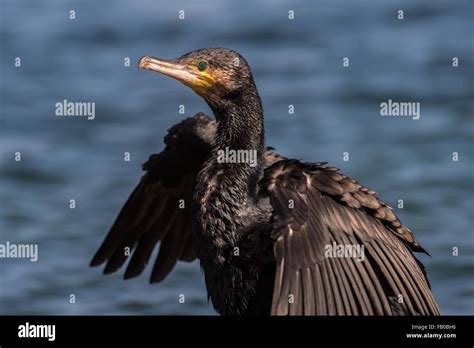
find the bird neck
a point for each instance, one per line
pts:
(239, 119)
(238, 146)
(224, 201)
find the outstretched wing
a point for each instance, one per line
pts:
(340, 250)
(158, 210)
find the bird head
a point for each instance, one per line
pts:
(213, 73)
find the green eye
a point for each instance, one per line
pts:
(202, 65)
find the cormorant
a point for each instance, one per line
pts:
(261, 232)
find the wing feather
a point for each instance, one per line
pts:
(331, 209)
(152, 213)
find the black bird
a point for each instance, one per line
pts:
(266, 233)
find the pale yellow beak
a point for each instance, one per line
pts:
(169, 68)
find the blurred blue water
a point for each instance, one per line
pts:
(295, 62)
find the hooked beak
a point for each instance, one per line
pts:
(169, 68)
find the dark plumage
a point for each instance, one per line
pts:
(260, 232)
